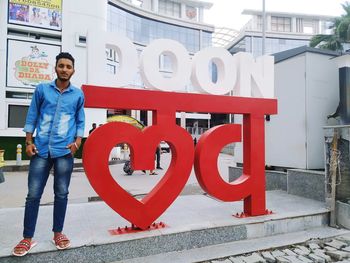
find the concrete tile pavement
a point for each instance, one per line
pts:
(190, 220)
(14, 190)
(193, 220)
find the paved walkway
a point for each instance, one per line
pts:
(192, 221)
(14, 190)
(87, 222)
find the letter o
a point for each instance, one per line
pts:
(226, 70)
(149, 65)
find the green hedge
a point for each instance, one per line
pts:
(9, 144)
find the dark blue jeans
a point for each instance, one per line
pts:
(39, 171)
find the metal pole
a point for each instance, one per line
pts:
(263, 27)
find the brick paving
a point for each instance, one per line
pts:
(316, 250)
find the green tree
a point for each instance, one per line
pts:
(340, 35)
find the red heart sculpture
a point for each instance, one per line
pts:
(143, 146)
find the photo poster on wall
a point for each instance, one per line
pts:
(36, 13)
(30, 63)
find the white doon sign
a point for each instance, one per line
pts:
(239, 73)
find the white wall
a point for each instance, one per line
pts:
(322, 81)
(3, 33)
(286, 131)
(78, 18)
(307, 90)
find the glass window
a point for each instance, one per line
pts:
(169, 8)
(19, 95)
(281, 24)
(112, 61)
(243, 45)
(17, 116)
(274, 45)
(165, 63)
(143, 30)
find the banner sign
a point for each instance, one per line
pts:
(36, 13)
(30, 63)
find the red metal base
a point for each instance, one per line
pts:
(135, 229)
(244, 215)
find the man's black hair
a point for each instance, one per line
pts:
(64, 55)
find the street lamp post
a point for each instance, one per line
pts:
(263, 27)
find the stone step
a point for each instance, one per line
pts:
(235, 250)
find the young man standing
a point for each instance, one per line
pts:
(57, 114)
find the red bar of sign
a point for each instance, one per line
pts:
(123, 98)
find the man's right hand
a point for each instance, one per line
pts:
(31, 150)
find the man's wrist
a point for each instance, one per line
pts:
(29, 142)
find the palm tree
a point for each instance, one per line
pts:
(341, 33)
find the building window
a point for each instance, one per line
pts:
(165, 63)
(142, 30)
(111, 69)
(310, 26)
(169, 8)
(17, 116)
(281, 24)
(112, 61)
(19, 95)
(272, 45)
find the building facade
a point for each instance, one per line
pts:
(283, 31)
(34, 32)
(306, 84)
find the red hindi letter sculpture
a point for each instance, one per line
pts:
(250, 186)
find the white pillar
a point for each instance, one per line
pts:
(268, 23)
(149, 118)
(183, 120)
(200, 14)
(155, 6)
(183, 11)
(263, 28)
(132, 113)
(294, 24)
(3, 53)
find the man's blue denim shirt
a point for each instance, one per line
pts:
(58, 118)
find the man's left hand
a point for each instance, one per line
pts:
(73, 147)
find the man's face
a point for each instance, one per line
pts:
(64, 69)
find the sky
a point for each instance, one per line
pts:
(227, 13)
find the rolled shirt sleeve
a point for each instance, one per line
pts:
(33, 111)
(80, 117)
